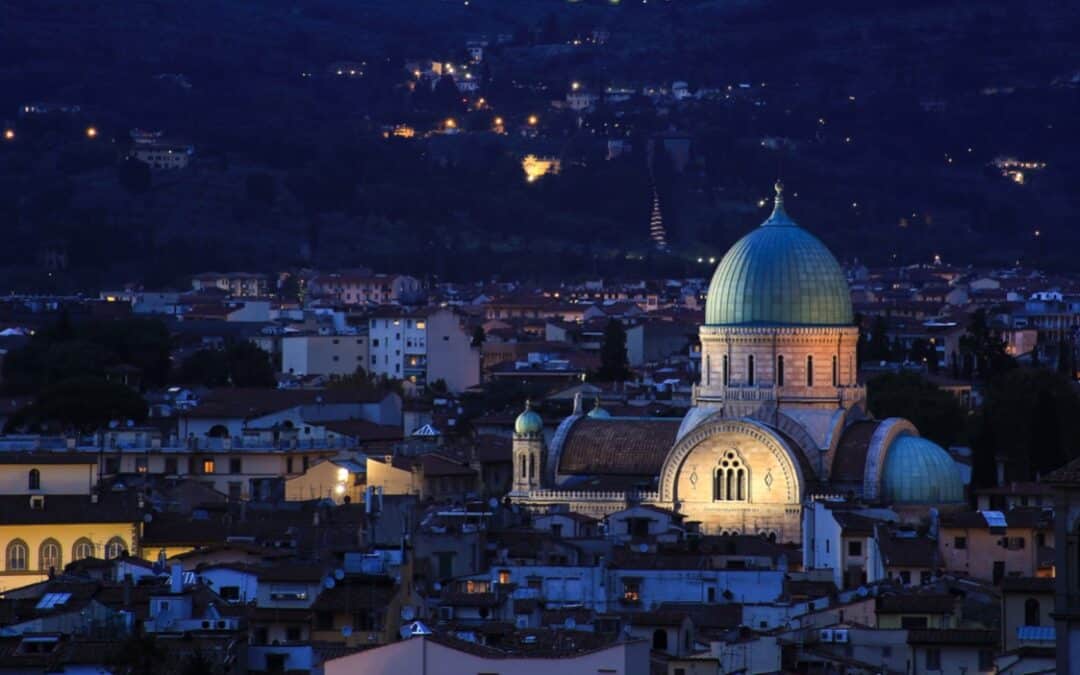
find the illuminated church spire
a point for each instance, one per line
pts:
(656, 224)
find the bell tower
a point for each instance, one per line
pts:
(528, 450)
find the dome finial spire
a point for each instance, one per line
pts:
(778, 216)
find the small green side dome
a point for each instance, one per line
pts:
(597, 412)
(779, 274)
(529, 422)
(918, 471)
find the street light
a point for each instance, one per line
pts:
(91, 132)
(533, 120)
(9, 134)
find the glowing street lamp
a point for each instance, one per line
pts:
(9, 134)
(91, 132)
(451, 123)
(533, 120)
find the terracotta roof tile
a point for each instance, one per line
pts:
(618, 446)
(110, 508)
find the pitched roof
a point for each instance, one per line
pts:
(250, 402)
(351, 595)
(60, 509)
(437, 465)
(907, 551)
(46, 457)
(924, 603)
(1019, 517)
(953, 636)
(365, 431)
(621, 446)
(708, 616)
(1027, 585)
(853, 523)
(1066, 475)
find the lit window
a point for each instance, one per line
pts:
(631, 590)
(208, 465)
(420, 325)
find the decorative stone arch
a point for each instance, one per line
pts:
(883, 437)
(784, 455)
(554, 454)
(50, 555)
(796, 432)
(694, 417)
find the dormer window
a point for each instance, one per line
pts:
(34, 480)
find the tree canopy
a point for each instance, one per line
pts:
(240, 364)
(614, 364)
(937, 414)
(82, 404)
(67, 350)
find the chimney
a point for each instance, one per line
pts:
(1000, 471)
(176, 579)
(577, 403)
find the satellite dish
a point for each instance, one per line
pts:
(346, 631)
(627, 630)
(148, 517)
(339, 574)
(329, 582)
(570, 624)
(437, 586)
(493, 503)
(643, 548)
(408, 613)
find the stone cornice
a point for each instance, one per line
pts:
(731, 331)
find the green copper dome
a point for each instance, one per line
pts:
(529, 422)
(597, 412)
(918, 471)
(778, 274)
